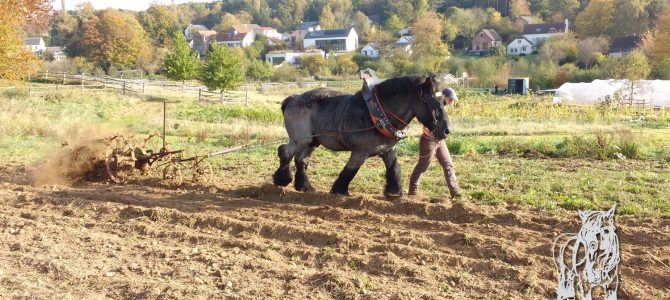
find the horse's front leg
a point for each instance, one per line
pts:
(341, 185)
(393, 188)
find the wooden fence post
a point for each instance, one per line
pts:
(63, 77)
(81, 85)
(144, 85)
(246, 93)
(199, 94)
(46, 76)
(222, 97)
(124, 87)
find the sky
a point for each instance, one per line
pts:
(124, 4)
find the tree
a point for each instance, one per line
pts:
(313, 64)
(115, 38)
(563, 9)
(560, 49)
(17, 61)
(469, 21)
(634, 67)
(226, 22)
(449, 31)
(589, 47)
(181, 63)
(401, 8)
(327, 18)
(421, 7)
(161, 24)
(425, 29)
(630, 17)
(394, 23)
(519, 8)
(597, 19)
(362, 25)
(259, 70)
(223, 69)
(655, 43)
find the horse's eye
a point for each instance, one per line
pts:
(593, 246)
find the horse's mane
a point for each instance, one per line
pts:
(400, 86)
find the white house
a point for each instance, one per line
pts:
(539, 33)
(371, 50)
(268, 32)
(520, 46)
(57, 53)
(405, 43)
(235, 40)
(277, 57)
(337, 40)
(35, 43)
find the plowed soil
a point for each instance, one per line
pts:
(144, 240)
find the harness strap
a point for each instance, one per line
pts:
(377, 113)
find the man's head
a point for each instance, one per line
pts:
(450, 96)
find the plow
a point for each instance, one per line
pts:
(128, 156)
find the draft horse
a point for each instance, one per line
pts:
(344, 122)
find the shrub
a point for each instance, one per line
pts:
(286, 72)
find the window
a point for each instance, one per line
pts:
(524, 48)
(335, 45)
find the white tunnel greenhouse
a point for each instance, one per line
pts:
(647, 93)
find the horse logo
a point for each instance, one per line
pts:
(594, 258)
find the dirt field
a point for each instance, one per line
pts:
(96, 240)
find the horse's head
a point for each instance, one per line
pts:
(598, 232)
(430, 109)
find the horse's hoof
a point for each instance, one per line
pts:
(391, 195)
(282, 177)
(341, 193)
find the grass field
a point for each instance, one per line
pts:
(508, 150)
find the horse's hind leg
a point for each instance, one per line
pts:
(301, 161)
(341, 185)
(283, 176)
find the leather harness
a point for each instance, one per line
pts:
(377, 113)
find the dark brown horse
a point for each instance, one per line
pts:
(342, 122)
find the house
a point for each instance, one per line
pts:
(405, 43)
(302, 29)
(277, 57)
(56, 53)
(520, 46)
(370, 50)
(624, 45)
(520, 22)
(243, 28)
(235, 40)
(193, 28)
(201, 40)
(35, 43)
(485, 40)
(268, 32)
(539, 33)
(405, 31)
(337, 40)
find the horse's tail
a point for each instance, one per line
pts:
(285, 102)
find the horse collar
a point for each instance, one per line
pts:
(377, 113)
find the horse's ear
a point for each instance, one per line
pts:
(584, 215)
(430, 80)
(610, 213)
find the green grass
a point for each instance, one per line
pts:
(507, 150)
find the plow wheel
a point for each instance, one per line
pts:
(119, 159)
(202, 172)
(172, 175)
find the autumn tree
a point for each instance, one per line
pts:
(563, 9)
(313, 64)
(161, 24)
(362, 25)
(394, 23)
(425, 31)
(115, 38)
(181, 63)
(468, 21)
(259, 70)
(17, 61)
(630, 17)
(519, 8)
(403, 9)
(327, 18)
(655, 43)
(560, 49)
(226, 21)
(597, 19)
(589, 47)
(223, 69)
(634, 67)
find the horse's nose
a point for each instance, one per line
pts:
(447, 131)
